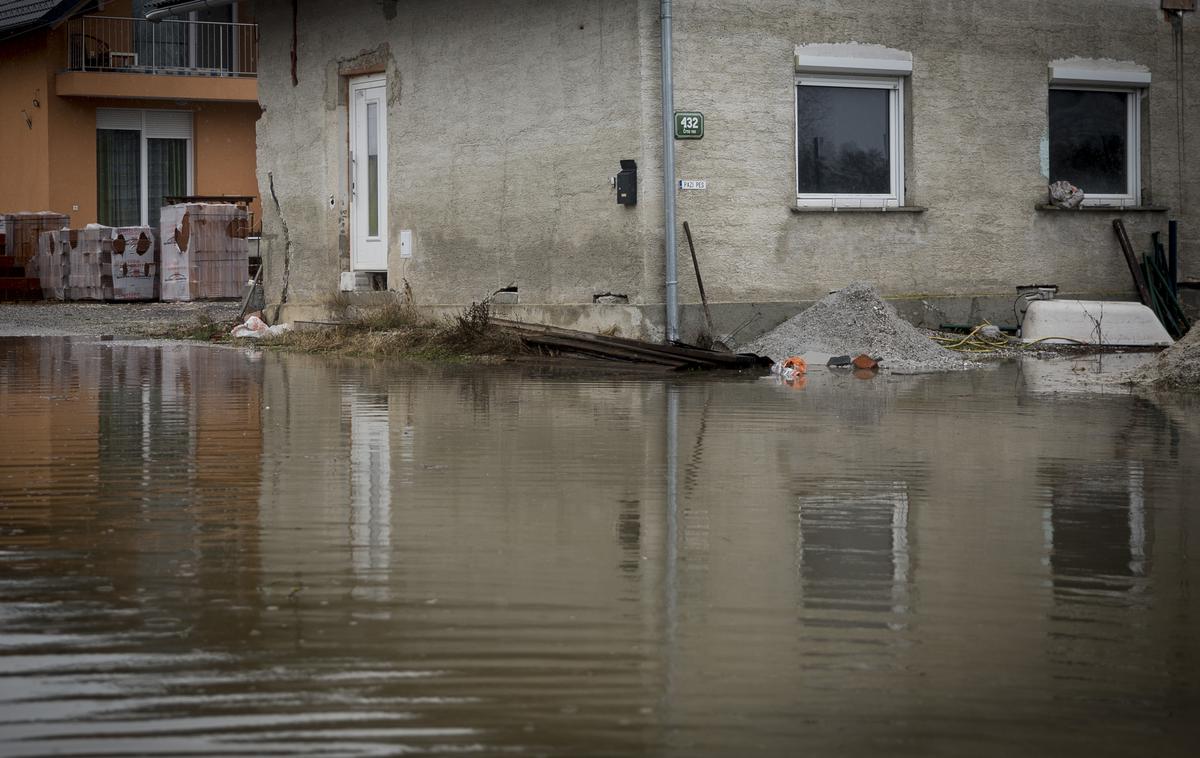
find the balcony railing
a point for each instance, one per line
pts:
(135, 45)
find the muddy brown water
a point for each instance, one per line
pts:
(210, 551)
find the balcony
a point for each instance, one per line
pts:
(172, 60)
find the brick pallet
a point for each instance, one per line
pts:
(204, 251)
(53, 263)
(14, 283)
(89, 273)
(134, 268)
(98, 263)
(23, 229)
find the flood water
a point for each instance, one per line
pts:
(214, 551)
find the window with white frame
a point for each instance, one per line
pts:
(850, 126)
(142, 157)
(1094, 113)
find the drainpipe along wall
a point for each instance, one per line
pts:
(668, 110)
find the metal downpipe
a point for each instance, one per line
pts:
(668, 115)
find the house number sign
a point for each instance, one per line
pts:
(689, 125)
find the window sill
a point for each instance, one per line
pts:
(876, 209)
(1105, 208)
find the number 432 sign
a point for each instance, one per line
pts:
(689, 125)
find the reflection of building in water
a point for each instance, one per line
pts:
(629, 535)
(145, 459)
(1096, 528)
(470, 519)
(370, 488)
(51, 422)
(853, 546)
(180, 448)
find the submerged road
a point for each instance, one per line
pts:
(230, 552)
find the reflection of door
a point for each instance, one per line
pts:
(368, 174)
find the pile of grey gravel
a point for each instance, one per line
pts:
(852, 321)
(1177, 367)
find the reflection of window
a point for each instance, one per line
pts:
(142, 157)
(1096, 529)
(854, 547)
(1094, 142)
(849, 141)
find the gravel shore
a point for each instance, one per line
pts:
(101, 319)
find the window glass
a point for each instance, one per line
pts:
(1089, 140)
(373, 169)
(167, 173)
(843, 140)
(118, 176)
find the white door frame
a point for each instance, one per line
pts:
(368, 252)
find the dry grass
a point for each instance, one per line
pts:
(393, 330)
(200, 329)
(389, 317)
(398, 330)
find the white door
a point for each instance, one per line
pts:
(368, 174)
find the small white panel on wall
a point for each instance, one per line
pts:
(406, 243)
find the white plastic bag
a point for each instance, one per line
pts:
(255, 327)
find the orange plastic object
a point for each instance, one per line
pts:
(796, 363)
(799, 382)
(865, 362)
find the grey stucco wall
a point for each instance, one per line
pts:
(507, 118)
(977, 102)
(504, 127)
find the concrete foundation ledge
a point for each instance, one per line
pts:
(734, 323)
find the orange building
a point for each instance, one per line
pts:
(104, 113)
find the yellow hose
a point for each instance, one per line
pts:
(973, 343)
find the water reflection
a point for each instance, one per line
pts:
(206, 550)
(370, 488)
(853, 544)
(1097, 530)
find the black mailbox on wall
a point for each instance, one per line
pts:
(627, 183)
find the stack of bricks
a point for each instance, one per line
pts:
(53, 263)
(205, 255)
(134, 270)
(23, 230)
(19, 252)
(89, 276)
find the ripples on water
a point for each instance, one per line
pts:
(208, 551)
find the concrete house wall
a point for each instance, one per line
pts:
(504, 128)
(507, 119)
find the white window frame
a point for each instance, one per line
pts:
(135, 120)
(1133, 145)
(895, 85)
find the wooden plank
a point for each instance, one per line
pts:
(1135, 268)
(622, 348)
(588, 348)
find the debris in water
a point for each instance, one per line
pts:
(865, 362)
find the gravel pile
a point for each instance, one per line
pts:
(96, 319)
(856, 320)
(1178, 366)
